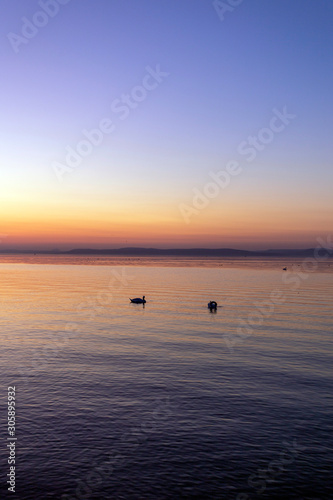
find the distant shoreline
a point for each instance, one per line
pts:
(175, 252)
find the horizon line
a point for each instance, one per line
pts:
(199, 251)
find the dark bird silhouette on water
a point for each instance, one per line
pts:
(138, 300)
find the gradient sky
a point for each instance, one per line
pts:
(225, 78)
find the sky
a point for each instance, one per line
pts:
(169, 123)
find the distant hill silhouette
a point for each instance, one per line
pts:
(194, 252)
(182, 252)
(158, 251)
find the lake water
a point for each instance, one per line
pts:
(168, 401)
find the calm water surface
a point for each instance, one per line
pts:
(121, 401)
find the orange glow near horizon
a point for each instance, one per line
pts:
(75, 216)
(233, 225)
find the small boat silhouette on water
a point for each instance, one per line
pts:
(138, 300)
